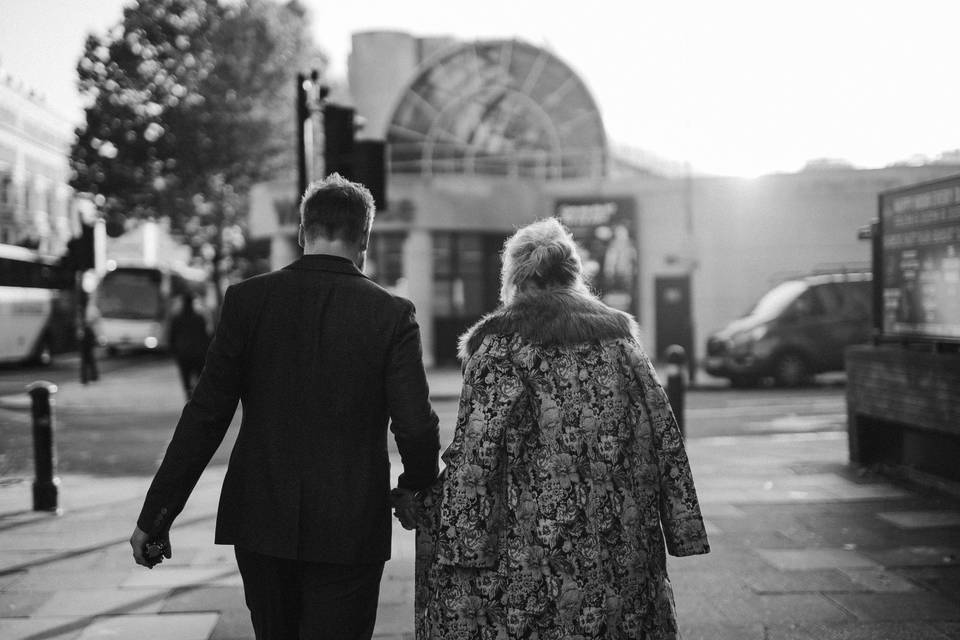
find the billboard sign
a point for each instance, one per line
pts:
(920, 245)
(606, 233)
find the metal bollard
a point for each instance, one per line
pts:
(46, 484)
(676, 386)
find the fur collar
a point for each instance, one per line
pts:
(551, 317)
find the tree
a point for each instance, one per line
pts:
(189, 102)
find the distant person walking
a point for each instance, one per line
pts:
(87, 335)
(189, 340)
(323, 360)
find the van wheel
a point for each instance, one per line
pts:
(791, 370)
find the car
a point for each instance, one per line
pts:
(798, 328)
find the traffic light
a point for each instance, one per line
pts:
(310, 95)
(338, 133)
(362, 161)
(370, 169)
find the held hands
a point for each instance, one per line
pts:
(407, 507)
(149, 552)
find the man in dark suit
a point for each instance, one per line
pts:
(322, 360)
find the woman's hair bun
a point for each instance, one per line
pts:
(542, 253)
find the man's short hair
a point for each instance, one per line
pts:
(336, 208)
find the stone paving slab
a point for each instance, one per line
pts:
(204, 598)
(786, 608)
(722, 631)
(860, 631)
(233, 624)
(720, 510)
(172, 626)
(113, 601)
(793, 560)
(879, 580)
(921, 519)
(20, 604)
(917, 556)
(178, 577)
(942, 580)
(46, 628)
(51, 580)
(899, 606)
(812, 581)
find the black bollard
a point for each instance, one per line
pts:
(676, 386)
(46, 484)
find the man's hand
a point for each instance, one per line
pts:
(406, 507)
(149, 552)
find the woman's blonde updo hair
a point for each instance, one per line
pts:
(540, 255)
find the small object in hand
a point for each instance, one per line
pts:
(153, 552)
(407, 507)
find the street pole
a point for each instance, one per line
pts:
(303, 113)
(676, 359)
(46, 484)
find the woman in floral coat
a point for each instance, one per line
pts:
(565, 467)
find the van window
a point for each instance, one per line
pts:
(773, 302)
(808, 305)
(857, 300)
(830, 297)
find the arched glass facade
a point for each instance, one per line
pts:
(501, 108)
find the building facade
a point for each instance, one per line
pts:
(487, 136)
(35, 198)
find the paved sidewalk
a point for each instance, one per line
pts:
(803, 549)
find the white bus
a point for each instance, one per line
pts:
(136, 304)
(36, 306)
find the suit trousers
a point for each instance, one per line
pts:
(299, 600)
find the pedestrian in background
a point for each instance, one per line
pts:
(189, 340)
(87, 335)
(565, 473)
(322, 359)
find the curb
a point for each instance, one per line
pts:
(15, 402)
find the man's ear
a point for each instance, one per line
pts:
(365, 240)
(301, 238)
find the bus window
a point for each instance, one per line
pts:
(132, 295)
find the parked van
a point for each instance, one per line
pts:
(798, 328)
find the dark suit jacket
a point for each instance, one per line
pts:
(321, 359)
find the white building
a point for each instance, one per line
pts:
(487, 136)
(34, 170)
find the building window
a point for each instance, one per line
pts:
(6, 190)
(462, 268)
(385, 258)
(27, 196)
(52, 202)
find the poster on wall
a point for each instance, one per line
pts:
(606, 233)
(920, 231)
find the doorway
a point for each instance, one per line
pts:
(466, 272)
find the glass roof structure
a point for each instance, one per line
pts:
(502, 108)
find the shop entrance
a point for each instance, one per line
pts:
(466, 285)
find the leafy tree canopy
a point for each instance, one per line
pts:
(189, 102)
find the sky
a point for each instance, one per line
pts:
(739, 87)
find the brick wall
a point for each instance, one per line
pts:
(904, 408)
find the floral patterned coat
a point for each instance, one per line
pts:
(566, 473)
